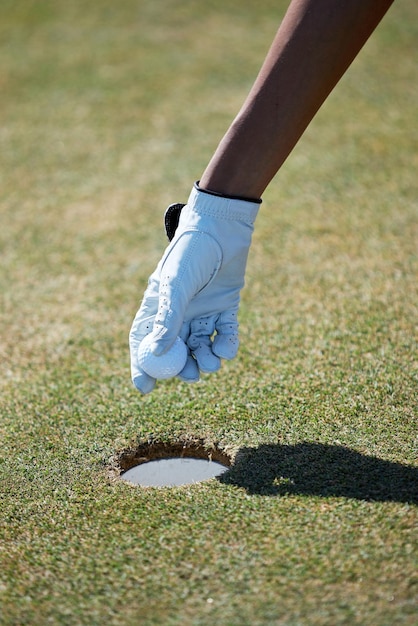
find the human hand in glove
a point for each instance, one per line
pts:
(194, 293)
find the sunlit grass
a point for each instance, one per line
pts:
(108, 113)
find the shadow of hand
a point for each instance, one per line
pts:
(321, 470)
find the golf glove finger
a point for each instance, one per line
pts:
(195, 290)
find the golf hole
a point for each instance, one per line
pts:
(159, 464)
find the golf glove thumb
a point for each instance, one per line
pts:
(195, 289)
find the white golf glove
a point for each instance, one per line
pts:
(195, 290)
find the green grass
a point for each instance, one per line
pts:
(108, 113)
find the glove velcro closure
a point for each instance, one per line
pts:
(171, 219)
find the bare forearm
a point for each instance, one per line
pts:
(315, 44)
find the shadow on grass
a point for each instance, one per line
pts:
(321, 470)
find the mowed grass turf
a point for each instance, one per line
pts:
(108, 113)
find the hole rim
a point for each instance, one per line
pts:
(157, 449)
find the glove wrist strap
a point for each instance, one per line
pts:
(212, 204)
